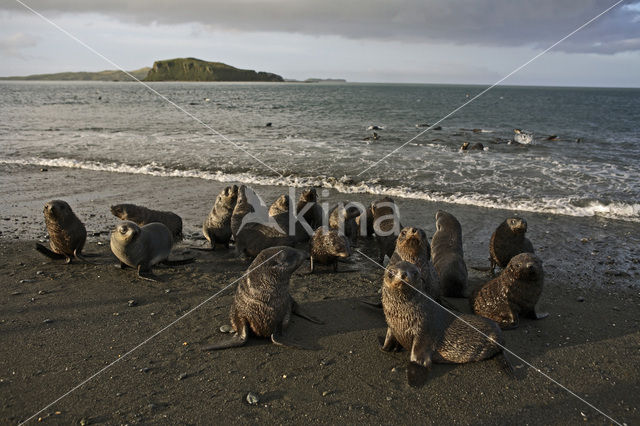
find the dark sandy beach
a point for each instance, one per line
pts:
(61, 324)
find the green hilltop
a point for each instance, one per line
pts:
(192, 69)
(86, 76)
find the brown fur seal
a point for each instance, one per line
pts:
(279, 211)
(143, 247)
(412, 246)
(217, 226)
(342, 217)
(254, 237)
(513, 293)
(142, 216)
(327, 246)
(386, 226)
(241, 209)
(430, 333)
(448, 256)
(67, 234)
(262, 303)
(364, 222)
(310, 211)
(507, 241)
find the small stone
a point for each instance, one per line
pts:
(183, 376)
(252, 399)
(131, 303)
(47, 321)
(394, 370)
(151, 406)
(389, 398)
(325, 393)
(39, 272)
(41, 292)
(144, 369)
(168, 290)
(26, 281)
(44, 169)
(83, 422)
(226, 328)
(580, 299)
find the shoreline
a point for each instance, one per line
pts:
(589, 343)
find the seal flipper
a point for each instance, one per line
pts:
(236, 339)
(50, 254)
(295, 309)
(278, 338)
(418, 369)
(389, 342)
(147, 274)
(506, 365)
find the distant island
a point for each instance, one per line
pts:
(86, 76)
(179, 69)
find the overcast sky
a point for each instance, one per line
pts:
(428, 41)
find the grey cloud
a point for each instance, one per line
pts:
(537, 23)
(14, 44)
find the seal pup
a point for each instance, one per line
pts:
(67, 234)
(513, 293)
(343, 218)
(448, 256)
(412, 246)
(327, 246)
(241, 209)
(279, 211)
(311, 212)
(254, 237)
(507, 241)
(364, 222)
(262, 303)
(430, 333)
(386, 226)
(142, 216)
(142, 247)
(217, 226)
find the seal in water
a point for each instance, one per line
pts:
(430, 333)
(507, 241)
(448, 256)
(311, 213)
(142, 247)
(513, 293)
(327, 247)
(342, 217)
(217, 226)
(262, 303)
(386, 226)
(67, 234)
(143, 216)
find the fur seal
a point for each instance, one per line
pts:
(507, 241)
(475, 147)
(241, 209)
(514, 292)
(217, 226)
(254, 237)
(142, 247)
(448, 256)
(327, 246)
(262, 303)
(386, 226)
(364, 222)
(343, 218)
(413, 247)
(279, 211)
(311, 213)
(67, 234)
(430, 333)
(142, 216)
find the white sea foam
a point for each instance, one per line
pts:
(561, 206)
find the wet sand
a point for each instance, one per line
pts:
(60, 324)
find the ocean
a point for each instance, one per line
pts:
(317, 138)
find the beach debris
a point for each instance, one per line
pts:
(83, 422)
(131, 303)
(252, 398)
(183, 376)
(26, 281)
(327, 392)
(41, 292)
(39, 272)
(47, 321)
